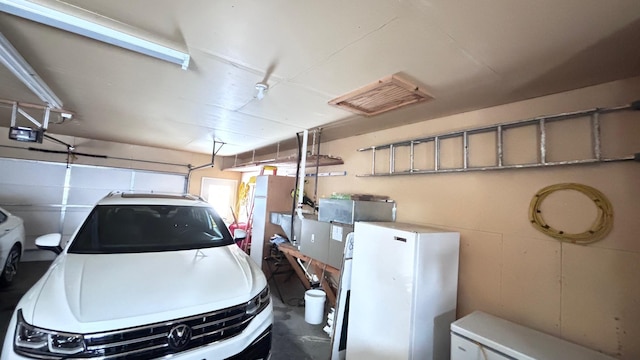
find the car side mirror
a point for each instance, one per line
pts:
(49, 242)
(239, 234)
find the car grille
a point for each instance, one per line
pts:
(152, 341)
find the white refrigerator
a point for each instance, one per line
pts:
(404, 285)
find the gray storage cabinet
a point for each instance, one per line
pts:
(350, 211)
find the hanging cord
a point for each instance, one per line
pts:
(315, 187)
(598, 230)
(293, 240)
(482, 351)
(324, 269)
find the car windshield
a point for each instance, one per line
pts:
(113, 229)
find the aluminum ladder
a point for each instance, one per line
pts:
(498, 130)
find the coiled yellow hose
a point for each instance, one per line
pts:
(598, 230)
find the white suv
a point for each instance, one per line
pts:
(11, 245)
(145, 276)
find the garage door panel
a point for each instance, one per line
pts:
(65, 240)
(156, 182)
(13, 194)
(39, 222)
(100, 178)
(30, 241)
(22, 172)
(34, 191)
(40, 255)
(74, 218)
(79, 196)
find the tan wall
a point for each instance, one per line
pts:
(118, 155)
(586, 294)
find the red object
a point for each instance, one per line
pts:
(235, 226)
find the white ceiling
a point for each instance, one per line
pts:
(468, 54)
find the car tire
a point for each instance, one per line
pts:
(10, 268)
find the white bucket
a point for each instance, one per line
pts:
(314, 306)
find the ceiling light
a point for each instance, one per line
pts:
(106, 30)
(10, 57)
(262, 89)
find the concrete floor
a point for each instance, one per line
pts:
(293, 338)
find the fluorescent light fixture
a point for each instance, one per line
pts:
(10, 57)
(101, 28)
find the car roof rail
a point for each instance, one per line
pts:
(127, 194)
(193, 197)
(113, 193)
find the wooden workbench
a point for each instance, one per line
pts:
(321, 270)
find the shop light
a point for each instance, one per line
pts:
(10, 58)
(103, 29)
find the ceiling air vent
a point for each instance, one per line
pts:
(385, 94)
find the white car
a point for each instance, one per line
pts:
(145, 276)
(11, 246)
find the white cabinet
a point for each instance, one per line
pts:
(403, 292)
(272, 194)
(480, 336)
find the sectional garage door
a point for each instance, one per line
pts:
(51, 197)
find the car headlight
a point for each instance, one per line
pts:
(41, 343)
(259, 302)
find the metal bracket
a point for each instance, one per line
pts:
(19, 108)
(215, 151)
(28, 134)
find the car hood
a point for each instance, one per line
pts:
(88, 292)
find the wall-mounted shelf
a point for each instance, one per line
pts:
(287, 162)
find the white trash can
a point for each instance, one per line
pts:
(314, 306)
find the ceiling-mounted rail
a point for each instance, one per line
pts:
(498, 129)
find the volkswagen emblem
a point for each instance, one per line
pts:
(179, 336)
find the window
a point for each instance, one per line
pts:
(147, 228)
(3, 217)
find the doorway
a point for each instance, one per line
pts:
(221, 194)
